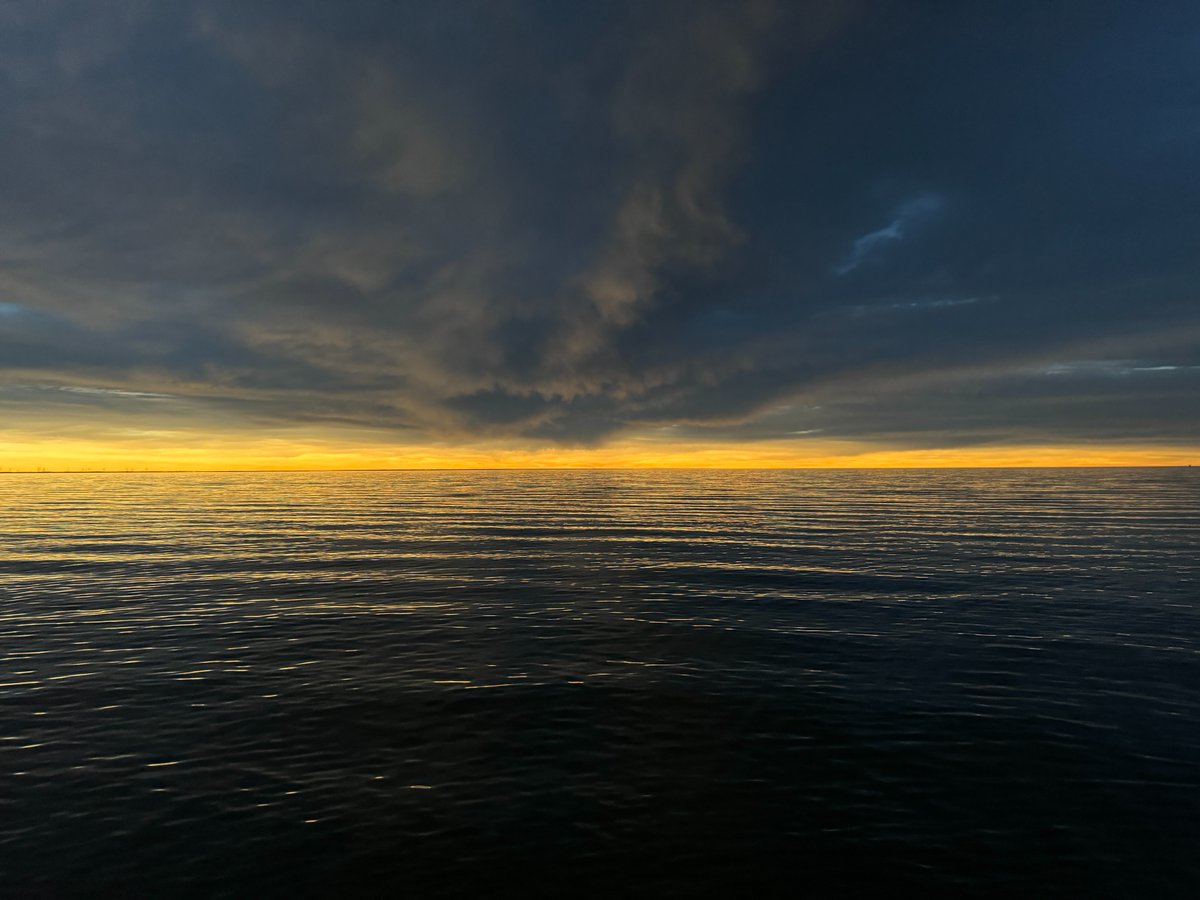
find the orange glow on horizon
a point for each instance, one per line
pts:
(232, 453)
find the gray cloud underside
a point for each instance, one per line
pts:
(569, 221)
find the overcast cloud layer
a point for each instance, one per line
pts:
(922, 224)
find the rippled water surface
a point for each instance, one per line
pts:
(584, 683)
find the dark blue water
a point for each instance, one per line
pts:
(970, 683)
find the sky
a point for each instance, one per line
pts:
(355, 234)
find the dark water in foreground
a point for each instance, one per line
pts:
(975, 683)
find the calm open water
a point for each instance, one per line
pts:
(976, 683)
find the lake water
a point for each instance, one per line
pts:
(971, 683)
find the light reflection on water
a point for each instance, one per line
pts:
(976, 682)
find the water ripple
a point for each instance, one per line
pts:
(975, 682)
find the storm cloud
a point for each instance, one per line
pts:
(916, 224)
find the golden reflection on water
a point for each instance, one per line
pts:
(154, 554)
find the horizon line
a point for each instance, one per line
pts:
(285, 470)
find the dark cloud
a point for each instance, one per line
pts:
(923, 224)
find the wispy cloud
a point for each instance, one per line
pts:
(1115, 368)
(111, 392)
(873, 242)
(866, 309)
